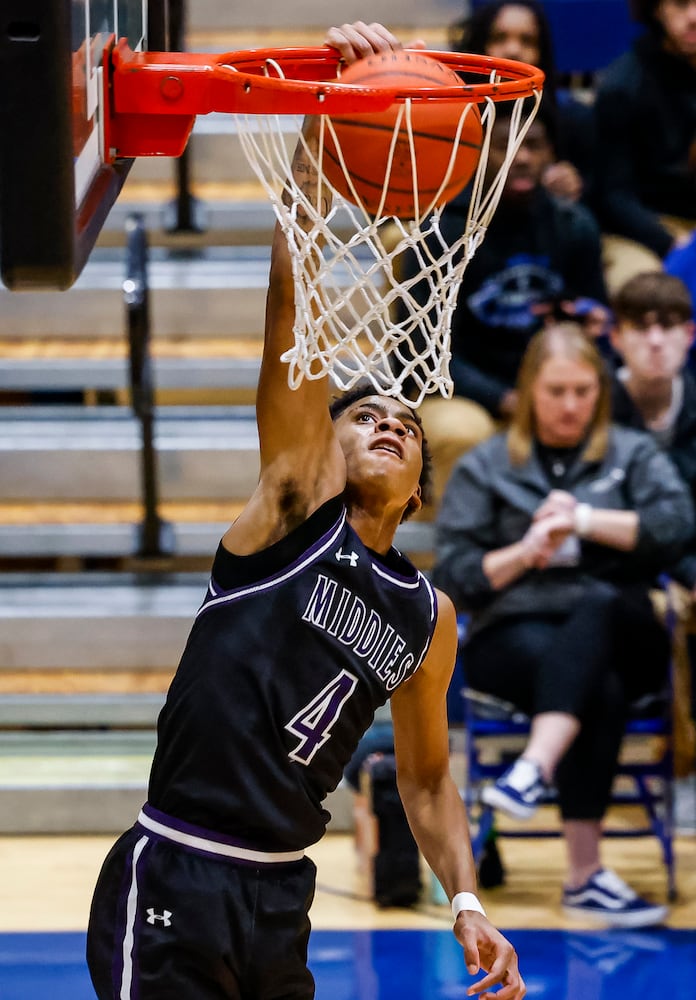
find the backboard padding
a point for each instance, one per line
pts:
(55, 191)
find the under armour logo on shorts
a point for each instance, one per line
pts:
(164, 917)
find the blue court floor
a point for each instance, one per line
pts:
(411, 965)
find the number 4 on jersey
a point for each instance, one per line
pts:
(314, 722)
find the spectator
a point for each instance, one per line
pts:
(520, 30)
(653, 391)
(646, 141)
(538, 251)
(550, 536)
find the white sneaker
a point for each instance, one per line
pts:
(519, 791)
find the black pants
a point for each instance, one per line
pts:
(591, 663)
(171, 924)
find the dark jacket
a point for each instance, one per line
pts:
(543, 252)
(682, 452)
(645, 115)
(489, 503)
(576, 137)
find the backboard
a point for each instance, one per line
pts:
(55, 189)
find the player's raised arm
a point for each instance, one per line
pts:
(302, 463)
(288, 419)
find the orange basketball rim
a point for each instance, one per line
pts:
(153, 98)
(346, 271)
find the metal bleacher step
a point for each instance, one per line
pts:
(72, 759)
(110, 622)
(208, 291)
(72, 781)
(74, 452)
(58, 364)
(76, 374)
(78, 782)
(223, 213)
(122, 540)
(91, 787)
(214, 291)
(129, 712)
(100, 540)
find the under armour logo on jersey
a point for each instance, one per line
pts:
(352, 558)
(164, 917)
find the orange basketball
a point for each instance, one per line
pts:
(365, 139)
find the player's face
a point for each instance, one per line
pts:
(382, 443)
(652, 349)
(564, 398)
(678, 20)
(514, 35)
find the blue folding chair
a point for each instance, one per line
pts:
(494, 731)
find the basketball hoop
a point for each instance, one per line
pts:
(345, 265)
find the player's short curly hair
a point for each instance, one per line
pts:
(360, 391)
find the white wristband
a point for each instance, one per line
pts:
(582, 518)
(466, 901)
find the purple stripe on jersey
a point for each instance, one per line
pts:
(202, 841)
(313, 553)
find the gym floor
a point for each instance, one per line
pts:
(360, 952)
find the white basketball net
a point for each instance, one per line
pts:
(347, 292)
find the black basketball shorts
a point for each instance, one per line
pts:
(173, 922)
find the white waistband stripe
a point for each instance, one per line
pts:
(213, 847)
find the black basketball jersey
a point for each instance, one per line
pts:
(292, 651)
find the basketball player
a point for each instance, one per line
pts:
(310, 622)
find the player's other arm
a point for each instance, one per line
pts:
(430, 796)
(435, 810)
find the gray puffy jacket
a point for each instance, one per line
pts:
(489, 503)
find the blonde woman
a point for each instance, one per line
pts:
(550, 536)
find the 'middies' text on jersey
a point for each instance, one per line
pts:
(291, 653)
